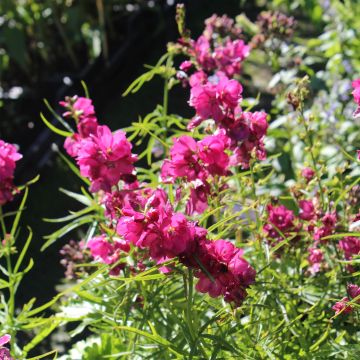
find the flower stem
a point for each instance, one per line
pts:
(311, 145)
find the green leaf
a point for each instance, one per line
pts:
(54, 128)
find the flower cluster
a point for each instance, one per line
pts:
(219, 48)
(8, 158)
(150, 224)
(196, 162)
(219, 98)
(73, 255)
(273, 25)
(223, 270)
(103, 157)
(280, 224)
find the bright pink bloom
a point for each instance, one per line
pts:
(307, 173)
(108, 252)
(329, 223)
(8, 157)
(247, 134)
(203, 53)
(198, 78)
(280, 222)
(356, 94)
(4, 352)
(341, 306)
(105, 158)
(281, 217)
(4, 339)
(227, 272)
(185, 65)
(212, 153)
(184, 161)
(230, 56)
(216, 100)
(307, 210)
(198, 200)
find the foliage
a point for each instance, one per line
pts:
(287, 203)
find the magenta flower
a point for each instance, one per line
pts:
(198, 199)
(211, 151)
(307, 210)
(230, 56)
(281, 217)
(356, 94)
(4, 352)
(227, 272)
(184, 160)
(105, 158)
(350, 245)
(8, 158)
(354, 292)
(315, 259)
(307, 173)
(341, 306)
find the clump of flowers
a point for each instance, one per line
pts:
(83, 112)
(219, 48)
(280, 224)
(103, 157)
(273, 25)
(8, 158)
(73, 255)
(219, 99)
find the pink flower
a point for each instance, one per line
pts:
(216, 100)
(206, 103)
(8, 158)
(105, 158)
(230, 56)
(281, 217)
(356, 94)
(185, 65)
(315, 259)
(280, 223)
(212, 153)
(4, 339)
(307, 210)
(354, 292)
(240, 267)
(341, 306)
(198, 78)
(100, 248)
(223, 270)
(203, 53)
(350, 245)
(4, 352)
(108, 252)
(307, 173)
(198, 200)
(184, 161)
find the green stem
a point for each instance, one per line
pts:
(311, 145)
(253, 189)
